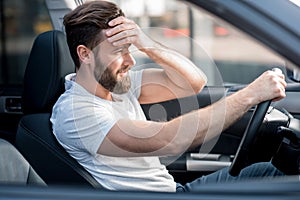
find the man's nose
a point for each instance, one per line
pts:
(129, 60)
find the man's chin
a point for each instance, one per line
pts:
(122, 86)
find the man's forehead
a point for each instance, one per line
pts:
(106, 46)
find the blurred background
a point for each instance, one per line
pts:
(227, 56)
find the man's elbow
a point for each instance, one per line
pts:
(199, 84)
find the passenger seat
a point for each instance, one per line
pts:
(14, 169)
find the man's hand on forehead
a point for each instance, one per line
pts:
(121, 25)
(118, 20)
(126, 32)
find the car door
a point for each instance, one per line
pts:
(21, 21)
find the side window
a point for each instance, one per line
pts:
(21, 21)
(238, 58)
(166, 21)
(225, 54)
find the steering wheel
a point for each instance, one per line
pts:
(241, 158)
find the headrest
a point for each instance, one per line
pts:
(49, 62)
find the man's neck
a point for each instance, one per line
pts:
(88, 82)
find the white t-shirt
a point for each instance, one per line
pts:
(81, 121)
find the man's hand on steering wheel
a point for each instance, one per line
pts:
(271, 86)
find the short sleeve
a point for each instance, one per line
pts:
(93, 124)
(81, 122)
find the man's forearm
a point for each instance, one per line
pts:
(178, 68)
(194, 128)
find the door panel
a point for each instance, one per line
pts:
(10, 112)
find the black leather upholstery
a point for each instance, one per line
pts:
(48, 64)
(51, 161)
(14, 169)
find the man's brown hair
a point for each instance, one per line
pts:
(84, 24)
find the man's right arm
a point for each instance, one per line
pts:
(147, 138)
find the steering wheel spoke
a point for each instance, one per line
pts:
(241, 158)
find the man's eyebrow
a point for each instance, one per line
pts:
(125, 46)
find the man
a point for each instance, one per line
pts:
(100, 123)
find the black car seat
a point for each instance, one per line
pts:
(48, 63)
(14, 169)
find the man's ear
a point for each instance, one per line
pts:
(84, 54)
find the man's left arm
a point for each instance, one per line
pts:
(179, 77)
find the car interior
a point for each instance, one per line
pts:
(267, 132)
(42, 86)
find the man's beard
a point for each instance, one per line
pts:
(109, 81)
